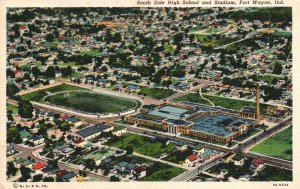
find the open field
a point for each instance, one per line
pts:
(92, 102)
(157, 93)
(141, 144)
(12, 108)
(37, 96)
(278, 145)
(234, 104)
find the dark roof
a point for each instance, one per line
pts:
(92, 130)
(69, 175)
(178, 122)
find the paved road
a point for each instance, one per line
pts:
(202, 167)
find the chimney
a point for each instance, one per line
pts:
(257, 104)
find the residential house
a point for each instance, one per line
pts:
(191, 161)
(36, 140)
(245, 177)
(140, 172)
(39, 165)
(91, 132)
(181, 146)
(119, 131)
(238, 160)
(257, 165)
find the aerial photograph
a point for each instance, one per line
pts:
(172, 94)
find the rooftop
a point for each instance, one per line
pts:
(216, 125)
(171, 112)
(92, 130)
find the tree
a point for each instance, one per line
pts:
(90, 164)
(12, 89)
(50, 72)
(37, 178)
(277, 68)
(114, 179)
(25, 109)
(13, 135)
(11, 170)
(25, 172)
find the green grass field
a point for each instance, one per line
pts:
(92, 102)
(278, 145)
(161, 172)
(157, 93)
(12, 108)
(37, 96)
(141, 144)
(90, 53)
(234, 104)
(282, 34)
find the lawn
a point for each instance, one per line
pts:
(90, 53)
(229, 103)
(157, 93)
(282, 34)
(92, 102)
(156, 171)
(270, 173)
(75, 74)
(278, 145)
(12, 108)
(161, 172)
(169, 48)
(141, 144)
(179, 156)
(71, 64)
(37, 96)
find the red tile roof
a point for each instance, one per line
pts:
(78, 141)
(257, 162)
(61, 173)
(39, 165)
(140, 169)
(192, 157)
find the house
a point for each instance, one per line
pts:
(119, 131)
(120, 167)
(25, 135)
(245, 177)
(228, 157)
(91, 132)
(133, 88)
(257, 165)
(61, 173)
(130, 168)
(140, 172)
(39, 165)
(198, 149)
(181, 146)
(191, 161)
(10, 149)
(68, 176)
(80, 179)
(22, 162)
(238, 160)
(79, 142)
(36, 140)
(207, 154)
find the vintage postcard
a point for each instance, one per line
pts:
(149, 94)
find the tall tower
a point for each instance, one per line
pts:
(257, 104)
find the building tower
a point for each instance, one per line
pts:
(257, 104)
